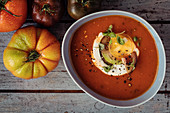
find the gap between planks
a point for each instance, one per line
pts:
(57, 91)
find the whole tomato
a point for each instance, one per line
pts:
(31, 53)
(47, 12)
(13, 14)
(80, 8)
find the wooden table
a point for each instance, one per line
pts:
(56, 92)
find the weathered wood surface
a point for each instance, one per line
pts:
(74, 103)
(59, 79)
(151, 10)
(56, 92)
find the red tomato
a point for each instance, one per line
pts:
(13, 14)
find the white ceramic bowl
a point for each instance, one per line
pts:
(115, 103)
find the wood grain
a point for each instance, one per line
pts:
(56, 92)
(66, 103)
(151, 10)
(59, 79)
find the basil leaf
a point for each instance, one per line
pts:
(101, 46)
(105, 34)
(109, 32)
(112, 34)
(120, 40)
(138, 44)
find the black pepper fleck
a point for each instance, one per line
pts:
(129, 78)
(83, 45)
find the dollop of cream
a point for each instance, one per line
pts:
(118, 69)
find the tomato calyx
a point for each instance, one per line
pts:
(46, 8)
(2, 7)
(33, 55)
(84, 3)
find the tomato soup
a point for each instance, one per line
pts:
(127, 86)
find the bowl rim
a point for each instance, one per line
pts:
(122, 103)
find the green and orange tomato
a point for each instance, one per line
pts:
(31, 53)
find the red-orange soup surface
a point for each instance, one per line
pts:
(115, 87)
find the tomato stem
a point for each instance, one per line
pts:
(46, 8)
(2, 7)
(84, 3)
(33, 55)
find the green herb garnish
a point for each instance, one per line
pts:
(120, 40)
(121, 32)
(110, 28)
(105, 34)
(101, 46)
(109, 32)
(135, 39)
(107, 68)
(110, 42)
(132, 65)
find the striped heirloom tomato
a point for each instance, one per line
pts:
(31, 53)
